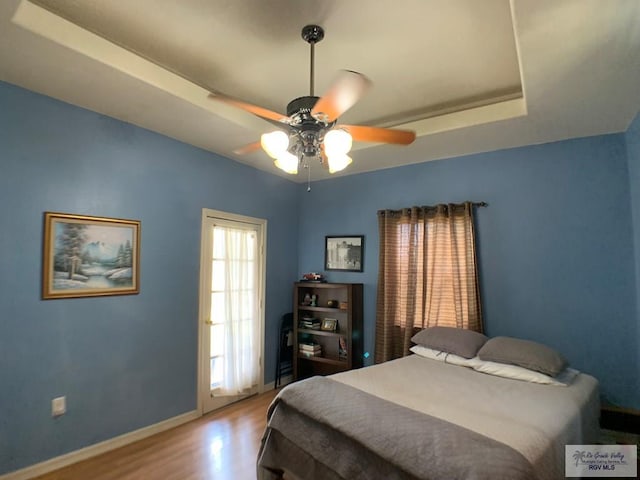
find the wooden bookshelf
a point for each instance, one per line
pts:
(332, 358)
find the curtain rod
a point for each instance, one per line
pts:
(475, 204)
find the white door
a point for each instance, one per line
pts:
(231, 308)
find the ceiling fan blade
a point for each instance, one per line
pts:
(250, 148)
(363, 133)
(258, 111)
(341, 96)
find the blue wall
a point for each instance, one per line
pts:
(555, 244)
(129, 361)
(632, 137)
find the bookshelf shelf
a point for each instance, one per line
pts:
(321, 309)
(320, 333)
(340, 350)
(330, 361)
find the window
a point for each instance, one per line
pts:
(427, 275)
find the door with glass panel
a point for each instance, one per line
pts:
(231, 308)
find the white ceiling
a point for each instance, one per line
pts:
(467, 75)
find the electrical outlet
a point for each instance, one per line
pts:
(58, 406)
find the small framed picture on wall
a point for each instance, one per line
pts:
(344, 253)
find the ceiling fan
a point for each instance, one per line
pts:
(309, 129)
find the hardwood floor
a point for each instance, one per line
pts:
(221, 445)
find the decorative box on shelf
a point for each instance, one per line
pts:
(313, 278)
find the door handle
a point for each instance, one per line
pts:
(208, 322)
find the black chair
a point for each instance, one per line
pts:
(284, 362)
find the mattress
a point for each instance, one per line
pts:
(537, 421)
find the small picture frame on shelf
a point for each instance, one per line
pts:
(329, 325)
(342, 349)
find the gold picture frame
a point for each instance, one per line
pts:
(329, 325)
(85, 256)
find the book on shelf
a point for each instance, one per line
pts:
(311, 352)
(310, 323)
(310, 349)
(314, 326)
(304, 353)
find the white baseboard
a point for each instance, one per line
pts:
(98, 448)
(113, 443)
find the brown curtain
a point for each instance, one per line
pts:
(427, 276)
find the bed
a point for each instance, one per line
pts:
(420, 418)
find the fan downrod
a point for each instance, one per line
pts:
(312, 33)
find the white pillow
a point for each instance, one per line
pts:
(451, 358)
(563, 379)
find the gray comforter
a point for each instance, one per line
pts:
(320, 429)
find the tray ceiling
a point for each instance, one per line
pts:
(467, 76)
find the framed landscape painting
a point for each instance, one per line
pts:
(345, 252)
(89, 256)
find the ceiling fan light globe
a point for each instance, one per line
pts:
(338, 162)
(287, 163)
(275, 143)
(337, 143)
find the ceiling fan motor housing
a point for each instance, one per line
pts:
(305, 127)
(301, 106)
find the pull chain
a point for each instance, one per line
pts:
(308, 166)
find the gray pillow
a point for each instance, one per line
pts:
(458, 341)
(523, 353)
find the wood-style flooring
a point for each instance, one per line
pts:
(222, 445)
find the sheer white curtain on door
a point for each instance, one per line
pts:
(234, 304)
